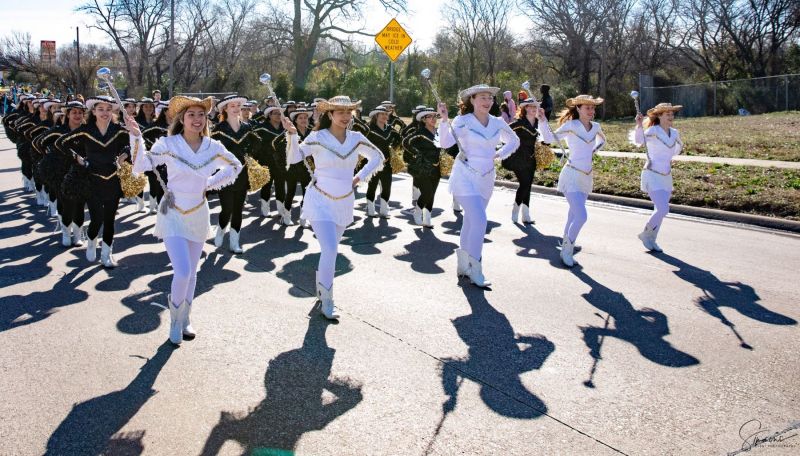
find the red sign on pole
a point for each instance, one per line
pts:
(47, 52)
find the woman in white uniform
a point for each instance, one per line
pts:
(192, 159)
(328, 203)
(584, 138)
(472, 179)
(662, 143)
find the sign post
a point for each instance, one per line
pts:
(393, 39)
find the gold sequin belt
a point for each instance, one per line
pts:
(109, 177)
(190, 210)
(588, 173)
(648, 168)
(329, 196)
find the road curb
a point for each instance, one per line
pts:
(702, 212)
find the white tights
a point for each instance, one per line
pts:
(184, 256)
(577, 214)
(328, 234)
(473, 228)
(660, 200)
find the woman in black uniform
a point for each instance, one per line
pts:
(297, 173)
(56, 164)
(523, 163)
(39, 121)
(240, 139)
(385, 138)
(270, 129)
(99, 146)
(421, 151)
(152, 128)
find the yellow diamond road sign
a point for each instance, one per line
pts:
(393, 39)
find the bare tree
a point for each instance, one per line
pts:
(317, 20)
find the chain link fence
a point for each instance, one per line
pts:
(738, 96)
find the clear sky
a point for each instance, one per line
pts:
(56, 20)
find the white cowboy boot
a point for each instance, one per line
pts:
(384, 208)
(371, 209)
(53, 209)
(264, 208)
(77, 236)
(280, 207)
(219, 236)
(515, 213)
(66, 239)
(153, 205)
(456, 206)
(91, 250)
(648, 238)
(526, 214)
(417, 215)
(287, 217)
(188, 330)
(139, 204)
(415, 193)
(233, 241)
(106, 256)
(325, 296)
(426, 218)
(175, 321)
(475, 273)
(463, 262)
(567, 248)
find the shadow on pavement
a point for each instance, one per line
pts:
(144, 316)
(301, 274)
(363, 238)
(300, 397)
(716, 294)
(39, 305)
(645, 329)
(91, 426)
(426, 251)
(495, 361)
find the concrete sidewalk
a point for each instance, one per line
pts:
(692, 351)
(703, 159)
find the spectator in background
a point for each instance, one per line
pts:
(546, 101)
(510, 109)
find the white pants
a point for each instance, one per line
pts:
(473, 228)
(184, 256)
(328, 234)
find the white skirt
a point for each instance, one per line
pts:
(572, 180)
(319, 208)
(653, 181)
(194, 226)
(465, 182)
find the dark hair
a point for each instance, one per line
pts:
(140, 117)
(324, 121)
(568, 114)
(504, 108)
(465, 107)
(650, 121)
(544, 88)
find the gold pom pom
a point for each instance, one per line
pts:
(446, 162)
(257, 174)
(396, 160)
(131, 186)
(544, 156)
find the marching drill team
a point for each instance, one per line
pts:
(95, 153)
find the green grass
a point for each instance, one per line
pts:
(771, 192)
(773, 136)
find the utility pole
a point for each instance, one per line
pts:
(79, 82)
(172, 47)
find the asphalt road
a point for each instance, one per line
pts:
(692, 351)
